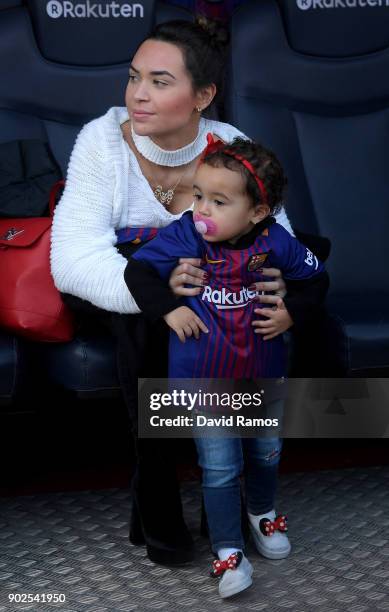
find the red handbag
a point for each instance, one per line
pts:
(30, 304)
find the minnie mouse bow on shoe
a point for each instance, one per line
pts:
(219, 566)
(269, 527)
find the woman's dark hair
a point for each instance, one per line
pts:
(203, 45)
(266, 166)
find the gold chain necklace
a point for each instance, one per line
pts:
(166, 197)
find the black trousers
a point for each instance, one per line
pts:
(142, 351)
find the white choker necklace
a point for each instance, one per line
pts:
(152, 152)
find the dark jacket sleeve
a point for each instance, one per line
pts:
(305, 306)
(149, 290)
(306, 281)
(304, 299)
(319, 245)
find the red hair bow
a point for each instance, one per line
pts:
(212, 146)
(268, 527)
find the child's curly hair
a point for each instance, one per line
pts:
(265, 164)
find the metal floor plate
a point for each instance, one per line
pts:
(76, 544)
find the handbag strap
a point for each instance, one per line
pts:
(53, 195)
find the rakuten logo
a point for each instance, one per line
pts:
(67, 9)
(225, 300)
(305, 5)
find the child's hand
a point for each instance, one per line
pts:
(278, 321)
(185, 323)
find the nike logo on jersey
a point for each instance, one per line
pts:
(214, 261)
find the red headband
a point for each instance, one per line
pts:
(218, 145)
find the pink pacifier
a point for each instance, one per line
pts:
(204, 225)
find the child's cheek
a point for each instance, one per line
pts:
(227, 227)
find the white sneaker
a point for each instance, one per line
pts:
(276, 544)
(236, 573)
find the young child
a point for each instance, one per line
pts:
(237, 187)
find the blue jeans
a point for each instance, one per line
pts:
(223, 460)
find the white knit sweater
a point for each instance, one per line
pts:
(105, 191)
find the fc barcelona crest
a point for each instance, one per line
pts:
(256, 261)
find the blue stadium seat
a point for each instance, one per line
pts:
(309, 79)
(61, 65)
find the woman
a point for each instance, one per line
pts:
(133, 168)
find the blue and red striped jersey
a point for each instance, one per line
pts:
(231, 349)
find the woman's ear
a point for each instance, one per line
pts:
(260, 212)
(205, 96)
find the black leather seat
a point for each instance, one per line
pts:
(311, 83)
(58, 70)
(8, 367)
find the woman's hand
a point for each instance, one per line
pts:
(185, 323)
(188, 272)
(277, 285)
(277, 322)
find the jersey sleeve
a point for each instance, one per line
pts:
(295, 260)
(148, 270)
(178, 240)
